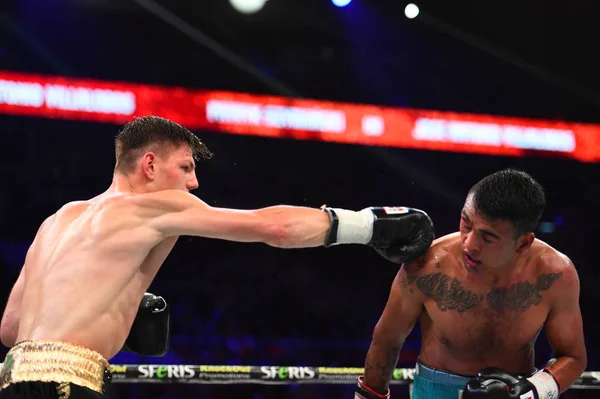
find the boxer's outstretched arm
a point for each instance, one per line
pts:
(403, 308)
(564, 329)
(175, 213)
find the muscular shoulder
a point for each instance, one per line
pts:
(68, 212)
(107, 206)
(433, 277)
(441, 253)
(162, 210)
(555, 270)
(548, 258)
(433, 265)
(70, 209)
(165, 200)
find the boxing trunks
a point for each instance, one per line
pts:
(438, 384)
(52, 369)
(433, 383)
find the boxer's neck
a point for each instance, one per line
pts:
(128, 184)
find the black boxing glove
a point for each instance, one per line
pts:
(149, 335)
(364, 392)
(486, 389)
(489, 382)
(399, 234)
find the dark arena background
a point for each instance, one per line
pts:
(345, 103)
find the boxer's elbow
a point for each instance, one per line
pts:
(9, 329)
(386, 335)
(576, 354)
(294, 227)
(8, 340)
(279, 233)
(581, 360)
(279, 229)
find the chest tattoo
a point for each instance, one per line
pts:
(520, 296)
(449, 294)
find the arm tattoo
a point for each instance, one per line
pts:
(408, 272)
(406, 280)
(520, 296)
(416, 265)
(447, 292)
(403, 279)
(381, 367)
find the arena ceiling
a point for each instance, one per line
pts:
(521, 58)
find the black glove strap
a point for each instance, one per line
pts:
(331, 237)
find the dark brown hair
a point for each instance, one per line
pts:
(137, 135)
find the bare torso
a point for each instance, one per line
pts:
(469, 323)
(86, 274)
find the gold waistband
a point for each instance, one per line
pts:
(54, 361)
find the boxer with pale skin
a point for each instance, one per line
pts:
(90, 264)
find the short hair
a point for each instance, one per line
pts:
(137, 135)
(510, 195)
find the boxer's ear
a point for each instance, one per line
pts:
(524, 242)
(148, 165)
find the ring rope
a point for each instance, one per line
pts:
(270, 375)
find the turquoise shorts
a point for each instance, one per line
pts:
(430, 383)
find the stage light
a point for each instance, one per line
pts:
(248, 6)
(341, 3)
(411, 11)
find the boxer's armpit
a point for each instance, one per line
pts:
(521, 296)
(447, 292)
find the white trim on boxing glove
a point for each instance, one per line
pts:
(354, 227)
(545, 384)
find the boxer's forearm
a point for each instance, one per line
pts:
(381, 361)
(568, 369)
(295, 227)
